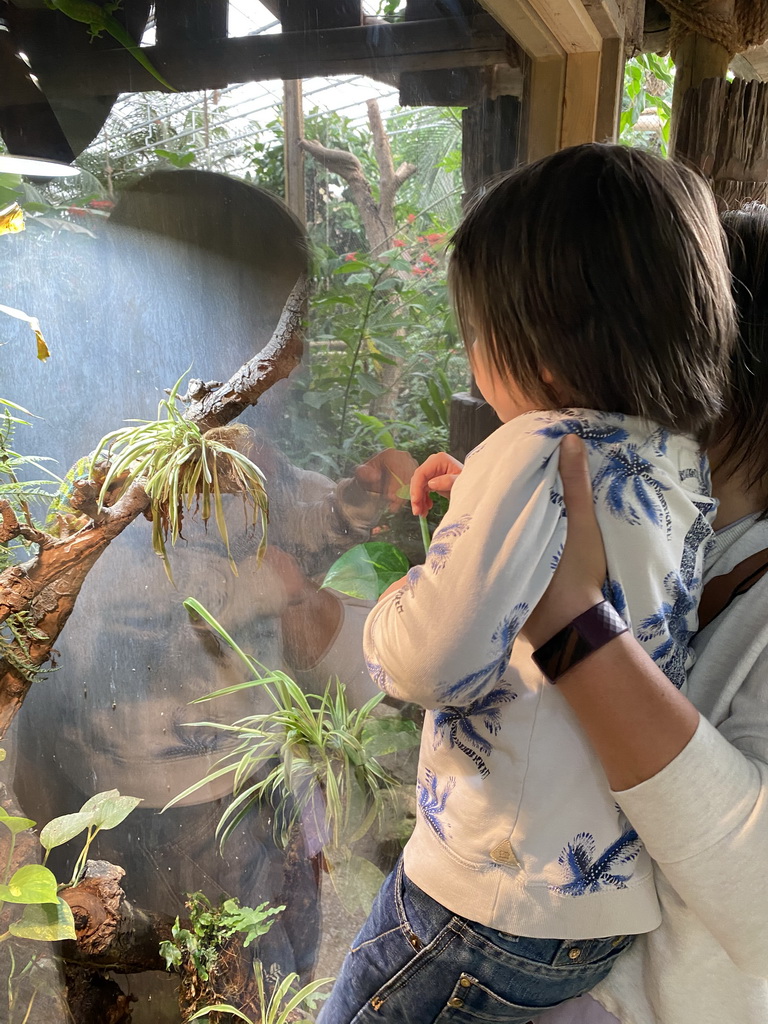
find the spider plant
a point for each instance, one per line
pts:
(282, 1003)
(181, 468)
(312, 756)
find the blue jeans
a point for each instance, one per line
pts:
(414, 962)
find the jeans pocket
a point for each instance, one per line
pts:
(471, 1002)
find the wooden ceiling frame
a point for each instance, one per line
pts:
(574, 70)
(374, 50)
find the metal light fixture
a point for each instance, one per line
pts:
(34, 167)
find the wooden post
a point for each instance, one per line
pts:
(293, 115)
(490, 146)
(696, 59)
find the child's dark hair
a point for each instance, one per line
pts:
(743, 437)
(605, 266)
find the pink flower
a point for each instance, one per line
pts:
(350, 257)
(421, 271)
(429, 260)
(435, 237)
(411, 218)
(399, 243)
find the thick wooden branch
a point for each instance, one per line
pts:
(390, 179)
(348, 167)
(50, 583)
(111, 932)
(219, 406)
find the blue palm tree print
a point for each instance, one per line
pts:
(555, 559)
(432, 803)
(457, 726)
(587, 875)
(614, 592)
(380, 677)
(700, 532)
(671, 624)
(471, 686)
(631, 487)
(594, 434)
(442, 542)
(659, 441)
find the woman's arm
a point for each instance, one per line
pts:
(698, 797)
(635, 719)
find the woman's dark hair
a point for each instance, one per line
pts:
(742, 438)
(605, 266)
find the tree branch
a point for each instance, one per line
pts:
(50, 583)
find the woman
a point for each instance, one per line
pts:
(690, 770)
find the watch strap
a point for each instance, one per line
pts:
(587, 633)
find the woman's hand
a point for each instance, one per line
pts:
(579, 577)
(438, 473)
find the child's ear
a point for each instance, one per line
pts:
(546, 376)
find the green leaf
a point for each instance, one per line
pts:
(388, 735)
(108, 809)
(15, 824)
(60, 830)
(221, 1008)
(30, 884)
(366, 570)
(356, 881)
(46, 923)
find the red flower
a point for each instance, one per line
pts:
(411, 218)
(76, 211)
(101, 204)
(421, 271)
(433, 238)
(429, 260)
(399, 243)
(350, 257)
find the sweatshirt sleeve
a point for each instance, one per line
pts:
(704, 820)
(446, 636)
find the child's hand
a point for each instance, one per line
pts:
(438, 473)
(387, 475)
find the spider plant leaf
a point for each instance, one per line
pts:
(222, 1008)
(197, 786)
(301, 996)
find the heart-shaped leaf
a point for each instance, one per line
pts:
(31, 884)
(46, 923)
(61, 830)
(366, 570)
(15, 824)
(108, 809)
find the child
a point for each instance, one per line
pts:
(593, 293)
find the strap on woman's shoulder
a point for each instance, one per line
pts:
(721, 590)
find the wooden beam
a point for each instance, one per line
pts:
(610, 90)
(565, 21)
(181, 21)
(525, 26)
(580, 100)
(367, 50)
(543, 107)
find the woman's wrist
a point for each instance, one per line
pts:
(557, 609)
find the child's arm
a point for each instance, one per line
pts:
(446, 636)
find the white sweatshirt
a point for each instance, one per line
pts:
(704, 819)
(517, 827)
